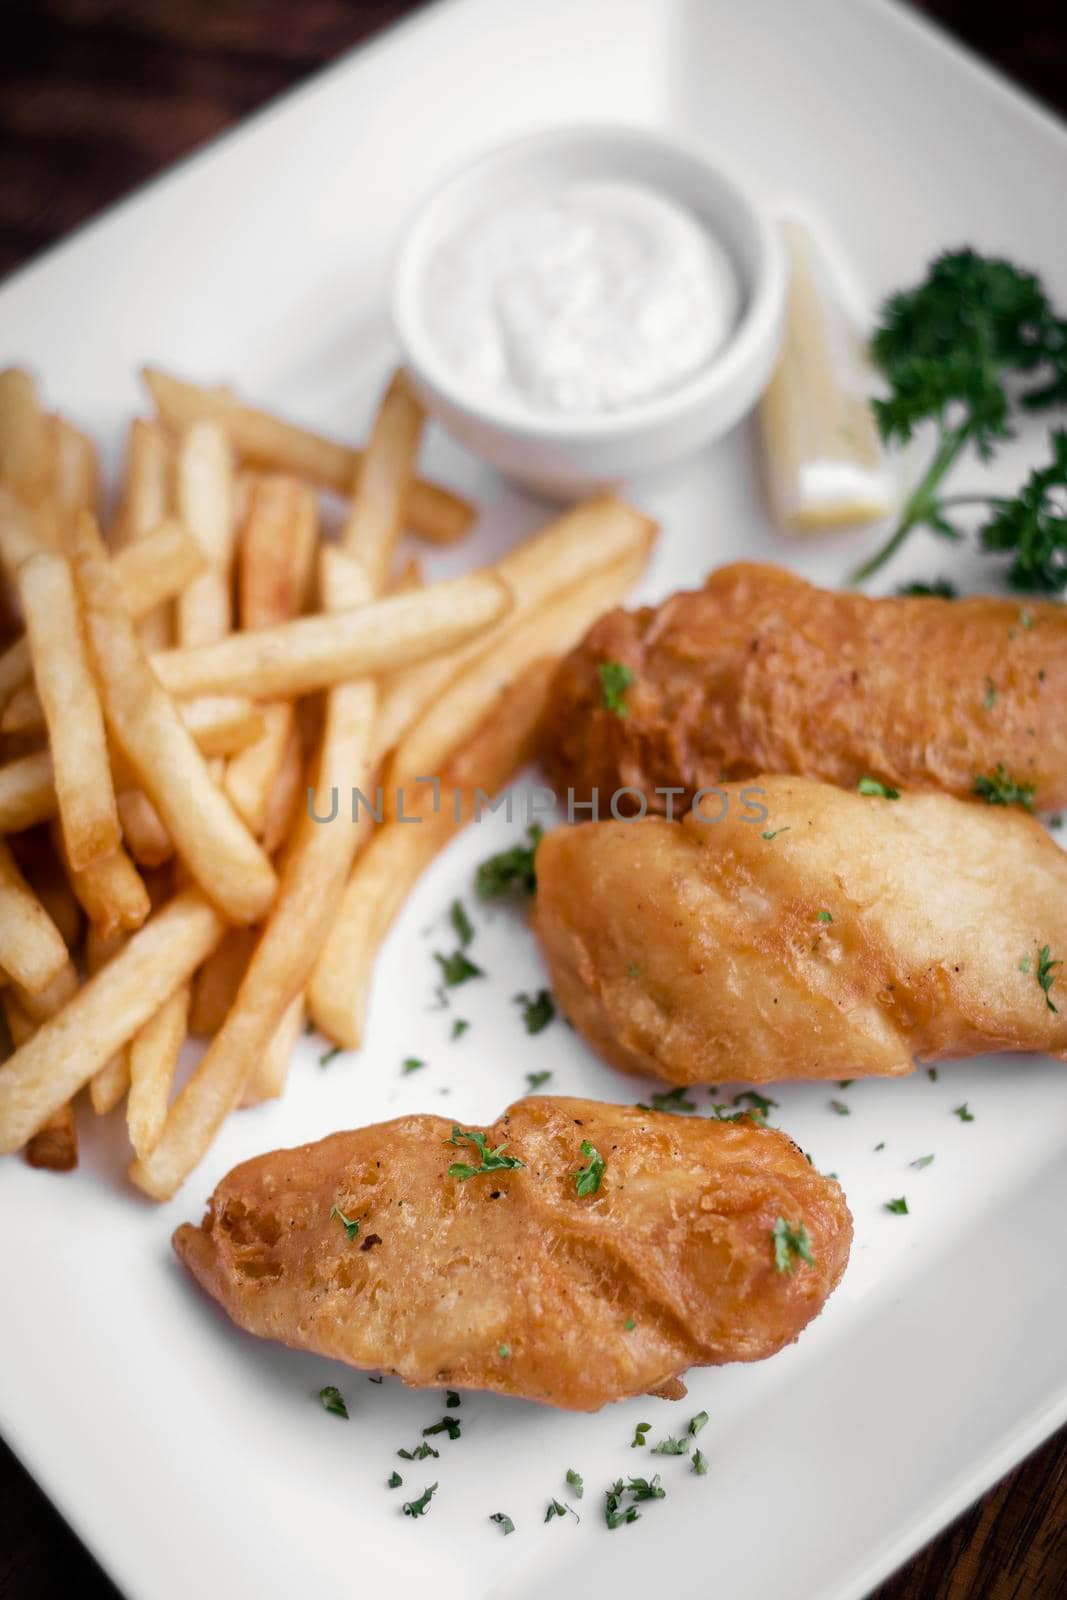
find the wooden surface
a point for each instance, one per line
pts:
(97, 96)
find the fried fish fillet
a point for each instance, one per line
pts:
(840, 936)
(511, 1280)
(761, 672)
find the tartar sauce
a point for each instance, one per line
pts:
(587, 300)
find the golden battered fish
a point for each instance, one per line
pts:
(761, 672)
(839, 936)
(685, 1250)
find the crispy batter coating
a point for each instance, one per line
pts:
(839, 937)
(511, 1281)
(761, 672)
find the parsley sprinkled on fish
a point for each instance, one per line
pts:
(791, 1243)
(615, 678)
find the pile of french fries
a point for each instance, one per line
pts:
(178, 704)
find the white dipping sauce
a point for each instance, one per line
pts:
(589, 300)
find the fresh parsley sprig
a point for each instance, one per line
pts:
(949, 349)
(510, 872)
(587, 1179)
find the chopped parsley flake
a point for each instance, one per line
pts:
(646, 1488)
(456, 968)
(939, 589)
(670, 1100)
(420, 1453)
(633, 970)
(537, 1080)
(639, 1435)
(412, 1064)
(349, 1224)
(879, 791)
(638, 1489)
(700, 1463)
(899, 1207)
(587, 1179)
(1045, 975)
(575, 1481)
(921, 1162)
(416, 1508)
(840, 1107)
(459, 1027)
(790, 1243)
(451, 1399)
(511, 871)
(537, 1010)
(394, 1481)
(696, 1423)
(449, 1425)
(557, 1510)
(845, 1083)
(615, 678)
(671, 1447)
(773, 833)
(333, 1401)
(491, 1160)
(824, 916)
(503, 1522)
(997, 789)
(629, 1325)
(963, 1113)
(324, 1060)
(461, 923)
(989, 699)
(504, 1351)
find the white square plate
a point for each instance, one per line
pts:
(193, 1459)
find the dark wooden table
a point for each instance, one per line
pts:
(98, 95)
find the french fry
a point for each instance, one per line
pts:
(27, 792)
(432, 512)
(75, 722)
(143, 832)
(146, 489)
(110, 891)
(271, 1070)
(32, 950)
(152, 1055)
(218, 849)
(155, 569)
(25, 451)
(399, 852)
(550, 630)
(221, 724)
(576, 544)
(278, 545)
(20, 536)
(204, 491)
(285, 796)
(108, 1086)
(75, 475)
(52, 887)
(71, 1046)
(314, 652)
(55, 1145)
(216, 984)
(313, 873)
(44, 1003)
(376, 514)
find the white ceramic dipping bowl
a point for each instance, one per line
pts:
(566, 456)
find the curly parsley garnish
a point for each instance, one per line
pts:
(490, 1160)
(615, 678)
(948, 348)
(790, 1243)
(576, 1482)
(996, 788)
(638, 1490)
(349, 1224)
(587, 1179)
(511, 871)
(537, 1010)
